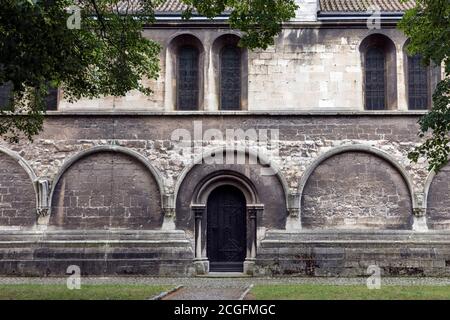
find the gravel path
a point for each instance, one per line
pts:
(207, 293)
(202, 282)
(215, 288)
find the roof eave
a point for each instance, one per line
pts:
(398, 15)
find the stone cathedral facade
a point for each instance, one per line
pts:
(285, 161)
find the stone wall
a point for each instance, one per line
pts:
(310, 67)
(95, 158)
(104, 191)
(300, 141)
(439, 200)
(356, 190)
(269, 189)
(17, 195)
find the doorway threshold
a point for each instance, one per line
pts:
(224, 275)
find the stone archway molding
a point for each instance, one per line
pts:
(225, 178)
(208, 154)
(426, 191)
(112, 149)
(39, 186)
(199, 210)
(418, 224)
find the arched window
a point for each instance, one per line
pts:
(51, 100)
(230, 78)
(5, 94)
(188, 78)
(375, 85)
(379, 61)
(418, 84)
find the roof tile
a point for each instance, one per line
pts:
(177, 6)
(364, 5)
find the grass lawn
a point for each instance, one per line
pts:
(348, 292)
(87, 292)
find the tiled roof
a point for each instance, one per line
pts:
(325, 6)
(168, 6)
(172, 6)
(364, 5)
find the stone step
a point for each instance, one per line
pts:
(335, 236)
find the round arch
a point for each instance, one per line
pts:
(112, 149)
(426, 193)
(272, 168)
(218, 44)
(22, 162)
(25, 166)
(173, 45)
(426, 190)
(357, 148)
(29, 171)
(389, 49)
(215, 180)
(182, 37)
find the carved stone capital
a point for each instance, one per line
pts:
(294, 212)
(43, 212)
(169, 212)
(254, 210)
(198, 210)
(419, 212)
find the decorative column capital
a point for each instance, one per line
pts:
(419, 212)
(43, 199)
(169, 212)
(199, 210)
(293, 205)
(253, 210)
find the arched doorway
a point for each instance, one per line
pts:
(230, 202)
(226, 229)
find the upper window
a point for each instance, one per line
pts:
(375, 79)
(51, 100)
(418, 84)
(378, 54)
(230, 78)
(188, 78)
(5, 94)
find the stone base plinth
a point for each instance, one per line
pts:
(350, 253)
(96, 253)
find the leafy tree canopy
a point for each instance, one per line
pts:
(106, 56)
(428, 27)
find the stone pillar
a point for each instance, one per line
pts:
(420, 220)
(201, 263)
(43, 203)
(402, 99)
(169, 213)
(252, 213)
(420, 210)
(293, 221)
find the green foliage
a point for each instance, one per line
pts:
(349, 292)
(259, 20)
(428, 27)
(107, 56)
(86, 292)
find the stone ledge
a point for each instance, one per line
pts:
(235, 113)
